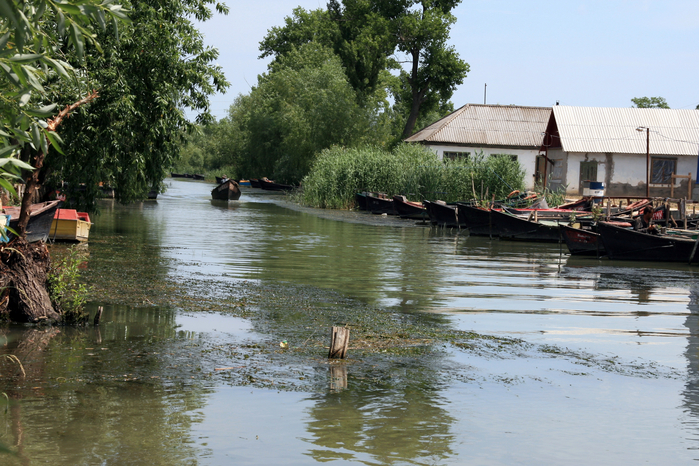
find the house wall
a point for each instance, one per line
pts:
(525, 157)
(623, 174)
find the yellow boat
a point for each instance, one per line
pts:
(70, 225)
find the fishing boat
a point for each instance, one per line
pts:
(442, 214)
(226, 191)
(221, 179)
(512, 227)
(244, 183)
(582, 242)
(379, 203)
(409, 209)
(269, 185)
(40, 219)
(70, 225)
(627, 244)
(254, 182)
(360, 200)
(476, 219)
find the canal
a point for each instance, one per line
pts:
(212, 346)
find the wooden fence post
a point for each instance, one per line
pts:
(339, 341)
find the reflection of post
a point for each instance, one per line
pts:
(338, 377)
(339, 340)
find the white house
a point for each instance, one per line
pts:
(621, 147)
(508, 130)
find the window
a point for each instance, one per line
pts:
(662, 170)
(456, 155)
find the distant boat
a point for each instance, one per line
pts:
(198, 177)
(179, 175)
(442, 214)
(254, 182)
(40, 219)
(70, 225)
(270, 185)
(379, 203)
(226, 191)
(244, 183)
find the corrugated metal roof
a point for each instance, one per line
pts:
(602, 130)
(493, 125)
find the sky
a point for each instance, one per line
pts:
(594, 53)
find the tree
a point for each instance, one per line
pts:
(129, 137)
(435, 68)
(650, 102)
(302, 105)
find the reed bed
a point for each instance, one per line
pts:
(409, 169)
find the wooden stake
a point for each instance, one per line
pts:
(98, 316)
(339, 341)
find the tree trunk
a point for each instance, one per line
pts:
(24, 269)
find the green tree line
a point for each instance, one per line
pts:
(358, 73)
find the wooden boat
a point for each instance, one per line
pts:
(226, 191)
(269, 185)
(377, 203)
(221, 179)
(512, 227)
(475, 219)
(70, 225)
(40, 219)
(244, 183)
(442, 214)
(409, 209)
(254, 182)
(198, 177)
(179, 175)
(582, 242)
(360, 200)
(627, 244)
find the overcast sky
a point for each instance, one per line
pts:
(592, 53)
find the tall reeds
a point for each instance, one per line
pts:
(410, 169)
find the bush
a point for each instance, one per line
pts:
(68, 295)
(410, 169)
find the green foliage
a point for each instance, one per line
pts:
(553, 198)
(129, 137)
(650, 102)
(409, 169)
(68, 294)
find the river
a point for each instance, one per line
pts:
(584, 361)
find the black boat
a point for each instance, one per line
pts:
(379, 204)
(360, 200)
(442, 214)
(582, 242)
(269, 185)
(512, 227)
(226, 191)
(40, 220)
(627, 244)
(254, 182)
(475, 219)
(221, 179)
(409, 209)
(179, 175)
(198, 177)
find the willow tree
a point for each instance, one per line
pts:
(149, 75)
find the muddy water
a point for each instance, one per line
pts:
(590, 361)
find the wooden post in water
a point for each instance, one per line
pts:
(339, 341)
(98, 316)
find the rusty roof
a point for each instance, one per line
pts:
(614, 130)
(488, 125)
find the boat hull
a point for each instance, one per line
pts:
(442, 214)
(475, 219)
(226, 191)
(268, 185)
(509, 227)
(626, 244)
(379, 205)
(40, 220)
(409, 210)
(582, 242)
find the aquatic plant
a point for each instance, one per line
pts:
(410, 169)
(68, 295)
